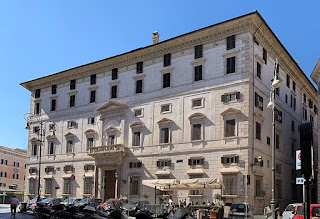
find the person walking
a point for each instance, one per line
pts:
(14, 202)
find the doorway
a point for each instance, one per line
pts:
(110, 181)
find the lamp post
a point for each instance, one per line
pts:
(34, 119)
(275, 84)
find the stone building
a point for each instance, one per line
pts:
(12, 173)
(188, 115)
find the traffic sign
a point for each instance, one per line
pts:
(299, 181)
(73, 177)
(32, 180)
(298, 160)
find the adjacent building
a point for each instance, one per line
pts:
(12, 173)
(185, 117)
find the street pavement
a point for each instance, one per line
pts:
(6, 214)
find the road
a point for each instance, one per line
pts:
(5, 213)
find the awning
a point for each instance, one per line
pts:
(88, 175)
(65, 176)
(48, 177)
(202, 183)
(161, 184)
(195, 172)
(231, 170)
(163, 173)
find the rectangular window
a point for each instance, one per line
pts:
(88, 182)
(293, 85)
(165, 108)
(91, 120)
(88, 167)
(198, 51)
(73, 84)
(231, 42)
(16, 164)
(258, 70)
(311, 118)
(114, 91)
(230, 184)
(49, 169)
(33, 170)
(315, 109)
(305, 98)
(139, 67)
(37, 108)
(231, 65)
(53, 104)
(93, 79)
(48, 186)
(92, 96)
(66, 186)
(259, 101)
(310, 103)
(294, 103)
(305, 114)
(68, 168)
(135, 164)
(230, 97)
(167, 60)
(197, 102)
(196, 132)
(89, 143)
(230, 128)
(292, 126)
(258, 131)
(34, 150)
(139, 86)
(198, 73)
(164, 163)
(258, 187)
(136, 139)
(134, 185)
(51, 148)
(114, 75)
(278, 115)
(71, 124)
(54, 89)
(37, 93)
(69, 146)
(265, 55)
(286, 98)
(227, 159)
(15, 176)
(277, 141)
(137, 112)
(72, 100)
(36, 129)
(166, 80)
(111, 139)
(278, 91)
(288, 81)
(32, 188)
(164, 136)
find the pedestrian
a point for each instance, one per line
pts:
(170, 201)
(185, 203)
(14, 202)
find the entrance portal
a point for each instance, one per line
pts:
(110, 182)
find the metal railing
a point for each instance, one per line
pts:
(107, 149)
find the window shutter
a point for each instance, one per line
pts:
(236, 158)
(46, 169)
(158, 163)
(201, 161)
(256, 99)
(223, 98)
(73, 169)
(222, 159)
(169, 163)
(238, 95)
(30, 171)
(139, 164)
(64, 169)
(130, 164)
(189, 162)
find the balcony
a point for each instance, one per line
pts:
(109, 151)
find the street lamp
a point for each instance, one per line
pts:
(275, 84)
(34, 119)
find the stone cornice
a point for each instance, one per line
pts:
(205, 35)
(316, 73)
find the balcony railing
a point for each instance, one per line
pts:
(108, 151)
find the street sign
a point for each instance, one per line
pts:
(299, 181)
(298, 160)
(31, 180)
(73, 177)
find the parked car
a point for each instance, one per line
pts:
(51, 201)
(111, 203)
(88, 201)
(314, 212)
(70, 201)
(290, 210)
(239, 210)
(133, 206)
(31, 204)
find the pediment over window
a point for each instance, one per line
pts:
(197, 116)
(230, 111)
(51, 137)
(111, 106)
(137, 125)
(69, 135)
(111, 129)
(33, 139)
(165, 121)
(90, 132)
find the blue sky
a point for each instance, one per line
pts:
(43, 37)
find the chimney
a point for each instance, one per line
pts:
(155, 37)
